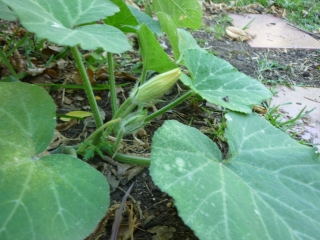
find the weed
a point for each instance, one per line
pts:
(202, 42)
(275, 117)
(305, 14)
(221, 22)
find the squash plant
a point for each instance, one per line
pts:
(266, 188)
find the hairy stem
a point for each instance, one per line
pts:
(125, 158)
(169, 106)
(89, 92)
(112, 83)
(98, 131)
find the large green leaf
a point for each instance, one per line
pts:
(123, 19)
(48, 197)
(27, 120)
(187, 41)
(185, 13)
(6, 13)
(267, 188)
(153, 55)
(142, 17)
(217, 81)
(59, 22)
(170, 28)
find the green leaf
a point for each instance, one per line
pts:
(60, 22)
(6, 13)
(186, 41)
(170, 28)
(185, 13)
(153, 55)
(217, 81)
(48, 197)
(124, 19)
(153, 25)
(267, 188)
(27, 112)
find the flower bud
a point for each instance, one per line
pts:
(155, 87)
(133, 122)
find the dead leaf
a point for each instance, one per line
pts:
(259, 109)
(61, 63)
(237, 34)
(162, 232)
(35, 71)
(65, 126)
(67, 100)
(18, 62)
(57, 140)
(130, 2)
(75, 77)
(48, 51)
(103, 74)
(51, 72)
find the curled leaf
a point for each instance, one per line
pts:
(237, 34)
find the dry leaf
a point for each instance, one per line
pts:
(57, 139)
(51, 72)
(75, 77)
(237, 34)
(65, 126)
(259, 109)
(162, 232)
(130, 2)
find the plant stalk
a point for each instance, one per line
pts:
(143, 75)
(169, 106)
(117, 115)
(118, 140)
(125, 158)
(98, 131)
(112, 83)
(89, 92)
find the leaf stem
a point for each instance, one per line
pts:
(89, 92)
(125, 158)
(143, 75)
(169, 106)
(117, 115)
(112, 83)
(96, 132)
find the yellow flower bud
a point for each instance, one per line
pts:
(155, 87)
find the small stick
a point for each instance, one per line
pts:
(305, 31)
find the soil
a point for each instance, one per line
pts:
(148, 210)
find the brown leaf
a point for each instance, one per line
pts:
(259, 109)
(162, 232)
(65, 126)
(51, 72)
(75, 77)
(57, 139)
(237, 34)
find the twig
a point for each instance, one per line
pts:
(305, 31)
